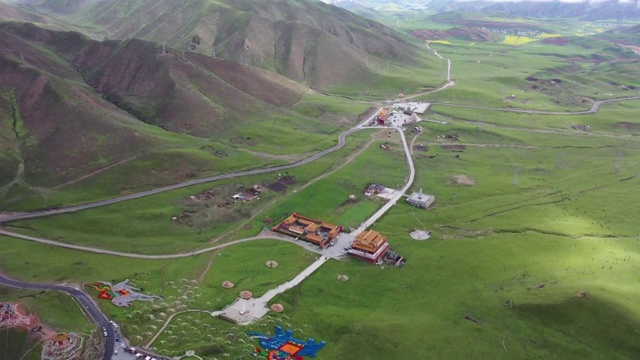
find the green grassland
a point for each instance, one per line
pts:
(192, 282)
(18, 345)
(613, 118)
(504, 136)
(563, 224)
(145, 225)
(537, 259)
(476, 266)
(329, 198)
(495, 244)
(391, 79)
(426, 301)
(315, 122)
(489, 74)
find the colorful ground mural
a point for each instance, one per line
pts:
(283, 346)
(120, 294)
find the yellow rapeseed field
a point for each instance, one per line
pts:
(545, 35)
(517, 40)
(446, 42)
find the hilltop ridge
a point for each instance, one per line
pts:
(310, 42)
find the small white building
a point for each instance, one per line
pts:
(421, 200)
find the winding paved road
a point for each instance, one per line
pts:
(83, 299)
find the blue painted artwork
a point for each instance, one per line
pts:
(283, 346)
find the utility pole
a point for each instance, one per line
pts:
(183, 58)
(213, 52)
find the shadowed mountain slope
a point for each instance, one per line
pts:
(69, 104)
(304, 40)
(51, 121)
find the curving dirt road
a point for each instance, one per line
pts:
(594, 108)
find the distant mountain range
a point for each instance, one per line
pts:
(586, 10)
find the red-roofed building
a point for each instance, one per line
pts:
(314, 231)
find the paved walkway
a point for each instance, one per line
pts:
(398, 195)
(248, 311)
(244, 311)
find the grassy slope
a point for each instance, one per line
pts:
(476, 263)
(446, 280)
(311, 42)
(87, 133)
(153, 231)
(555, 244)
(435, 288)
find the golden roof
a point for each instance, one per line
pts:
(369, 240)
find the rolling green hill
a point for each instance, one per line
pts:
(71, 107)
(311, 42)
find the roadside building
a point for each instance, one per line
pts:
(369, 245)
(421, 200)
